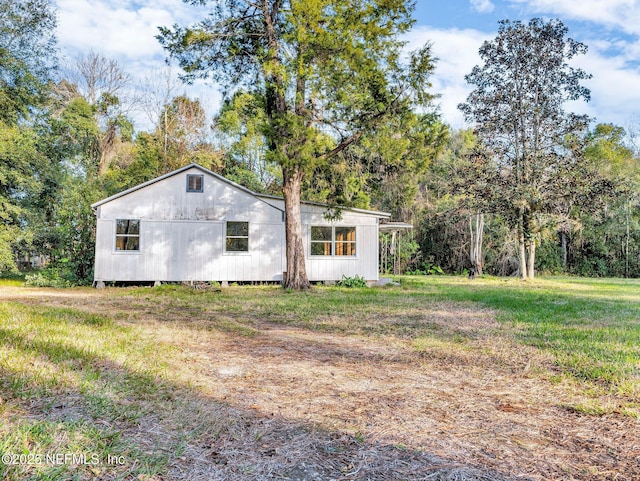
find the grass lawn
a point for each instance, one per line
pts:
(438, 378)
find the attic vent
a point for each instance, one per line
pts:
(195, 183)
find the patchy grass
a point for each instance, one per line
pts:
(439, 378)
(591, 327)
(69, 381)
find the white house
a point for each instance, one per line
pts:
(194, 225)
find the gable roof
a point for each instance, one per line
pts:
(171, 174)
(261, 197)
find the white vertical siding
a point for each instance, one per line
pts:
(190, 251)
(331, 268)
(182, 236)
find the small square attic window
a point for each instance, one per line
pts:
(195, 183)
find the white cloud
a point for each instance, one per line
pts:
(614, 94)
(125, 31)
(457, 51)
(112, 29)
(482, 6)
(622, 14)
(615, 97)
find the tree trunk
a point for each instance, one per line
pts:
(296, 270)
(522, 255)
(531, 259)
(528, 248)
(476, 228)
(563, 245)
(626, 246)
(107, 143)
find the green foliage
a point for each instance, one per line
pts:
(548, 257)
(19, 158)
(241, 124)
(355, 281)
(529, 160)
(52, 277)
(245, 177)
(78, 133)
(22, 176)
(397, 156)
(405, 256)
(7, 240)
(77, 227)
(182, 133)
(329, 72)
(147, 163)
(426, 270)
(27, 56)
(441, 228)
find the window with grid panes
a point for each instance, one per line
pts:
(237, 237)
(127, 234)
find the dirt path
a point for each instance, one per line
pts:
(310, 405)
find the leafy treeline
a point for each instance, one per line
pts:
(595, 233)
(532, 187)
(324, 118)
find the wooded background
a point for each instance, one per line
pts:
(527, 179)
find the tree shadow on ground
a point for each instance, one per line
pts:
(168, 430)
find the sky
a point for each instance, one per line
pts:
(125, 30)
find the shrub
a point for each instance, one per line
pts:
(426, 270)
(51, 277)
(355, 281)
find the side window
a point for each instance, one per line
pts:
(321, 242)
(195, 183)
(345, 241)
(128, 234)
(237, 237)
(333, 241)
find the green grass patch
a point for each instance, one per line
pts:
(74, 379)
(11, 279)
(67, 379)
(591, 326)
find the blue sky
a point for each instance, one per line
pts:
(125, 30)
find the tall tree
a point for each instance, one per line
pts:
(27, 55)
(103, 84)
(27, 61)
(184, 133)
(323, 66)
(239, 130)
(517, 107)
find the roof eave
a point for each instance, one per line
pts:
(382, 215)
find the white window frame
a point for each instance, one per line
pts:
(321, 242)
(138, 235)
(333, 242)
(226, 236)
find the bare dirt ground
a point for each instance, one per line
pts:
(295, 404)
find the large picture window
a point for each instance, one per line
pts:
(333, 241)
(127, 234)
(237, 237)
